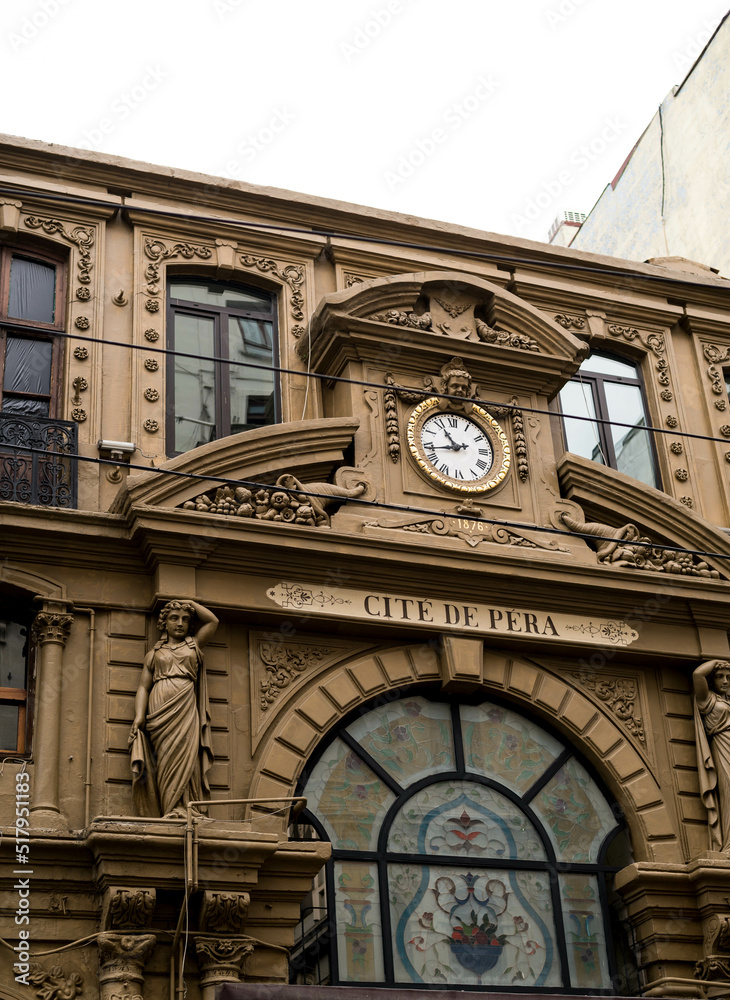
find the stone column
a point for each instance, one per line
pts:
(220, 954)
(220, 960)
(49, 630)
(122, 958)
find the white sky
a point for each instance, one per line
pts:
(483, 105)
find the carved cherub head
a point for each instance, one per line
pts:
(720, 678)
(176, 619)
(456, 380)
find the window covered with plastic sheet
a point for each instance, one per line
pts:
(31, 297)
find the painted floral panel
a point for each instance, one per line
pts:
(575, 813)
(466, 820)
(410, 739)
(585, 936)
(359, 926)
(505, 746)
(478, 927)
(348, 798)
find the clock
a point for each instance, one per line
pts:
(464, 450)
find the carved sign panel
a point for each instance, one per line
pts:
(481, 619)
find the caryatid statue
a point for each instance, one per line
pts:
(170, 740)
(712, 722)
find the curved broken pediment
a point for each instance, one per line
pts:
(430, 311)
(309, 450)
(623, 516)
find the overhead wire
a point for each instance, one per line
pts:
(602, 269)
(370, 384)
(250, 484)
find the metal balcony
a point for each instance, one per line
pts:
(37, 460)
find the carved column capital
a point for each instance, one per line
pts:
(715, 966)
(220, 960)
(122, 958)
(51, 626)
(224, 912)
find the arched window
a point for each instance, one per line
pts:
(469, 850)
(15, 676)
(611, 389)
(222, 379)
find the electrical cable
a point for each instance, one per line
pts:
(426, 392)
(356, 237)
(377, 504)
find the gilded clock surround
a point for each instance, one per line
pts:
(478, 415)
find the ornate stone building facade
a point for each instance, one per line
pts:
(408, 584)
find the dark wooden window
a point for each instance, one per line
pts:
(15, 679)
(610, 388)
(221, 333)
(32, 307)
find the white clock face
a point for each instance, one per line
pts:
(456, 447)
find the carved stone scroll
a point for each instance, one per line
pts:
(290, 274)
(627, 548)
(157, 251)
(715, 966)
(576, 322)
(716, 356)
(82, 238)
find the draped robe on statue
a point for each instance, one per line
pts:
(174, 771)
(712, 722)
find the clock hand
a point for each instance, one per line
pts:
(454, 446)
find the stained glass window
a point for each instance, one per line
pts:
(469, 850)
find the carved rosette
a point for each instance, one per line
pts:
(220, 959)
(122, 958)
(51, 626)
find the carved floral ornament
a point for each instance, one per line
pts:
(472, 328)
(284, 665)
(158, 251)
(620, 695)
(627, 548)
(55, 984)
(288, 501)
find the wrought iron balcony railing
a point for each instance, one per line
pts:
(38, 460)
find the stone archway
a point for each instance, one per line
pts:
(598, 736)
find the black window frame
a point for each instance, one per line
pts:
(596, 382)
(221, 317)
